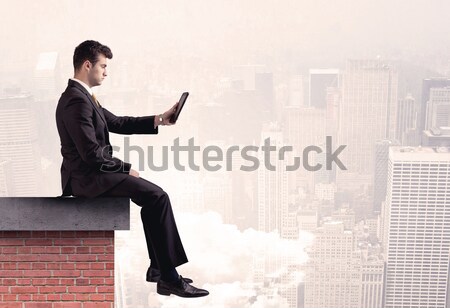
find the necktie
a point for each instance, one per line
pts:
(95, 100)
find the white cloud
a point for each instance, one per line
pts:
(221, 261)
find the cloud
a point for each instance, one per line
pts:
(221, 260)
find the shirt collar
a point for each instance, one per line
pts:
(84, 85)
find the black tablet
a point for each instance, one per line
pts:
(181, 102)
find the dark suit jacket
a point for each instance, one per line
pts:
(88, 168)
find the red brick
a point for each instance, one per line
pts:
(97, 274)
(66, 273)
(67, 281)
(109, 297)
(86, 289)
(97, 266)
(98, 305)
(53, 289)
(11, 242)
(83, 250)
(53, 297)
(82, 258)
(109, 265)
(10, 297)
(4, 289)
(81, 266)
(9, 250)
(66, 234)
(82, 282)
(38, 305)
(24, 258)
(53, 234)
(24, 282)
(97, 242)
(39, 281)
(24, 289)
(81, 297)
(52, 282)
(38, 242)
(39, 266)
(68, 266)
(52, 258)
(67, 297)
(23, 266)
(9, 274)
(38, 234)
(109, 249)
(9, 282)
(109, 281)
(54, 266)
(97, 249)
(5, 258)
(106, 289)
(97, 297)
(39, 297)
(10, 305)
(67, 242)
(24, 297)
(9, 266)
(106, 257)
(68, 250)
(24, 250)
(97, 281)
(38, 273)
(67, 305)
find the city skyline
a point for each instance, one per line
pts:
(296, 72)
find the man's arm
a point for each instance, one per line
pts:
(130, 125)
(77, 118)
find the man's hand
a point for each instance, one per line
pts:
(134, 173)
(168, 115)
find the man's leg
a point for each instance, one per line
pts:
(163, 240)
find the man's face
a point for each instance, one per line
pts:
(97, 72)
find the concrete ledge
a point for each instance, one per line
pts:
(60, 214)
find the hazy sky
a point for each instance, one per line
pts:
(237, 28)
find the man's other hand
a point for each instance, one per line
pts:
(134, 173)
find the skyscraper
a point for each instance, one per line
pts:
(380, 173)
(438, 108)
(368, 112)
(427, 85)
(417, 233)
(19, 143)
(319, 81)
(333, 278)
(406, 120)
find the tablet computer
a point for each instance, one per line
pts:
(181, 102)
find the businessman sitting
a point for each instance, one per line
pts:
(89, 169)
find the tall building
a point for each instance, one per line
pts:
(427, 85)
(19, 143)
(438, 108)
(380, 173)
(406, 120)
(333, 277)
(417, 232)
(372, 276)
(46, 75)
(319, 81)
(368, 112)
(436, 137)
(272, 186)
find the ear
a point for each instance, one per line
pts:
(87, 64)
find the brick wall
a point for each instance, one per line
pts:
(56, 269)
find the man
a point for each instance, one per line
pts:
(89, 169)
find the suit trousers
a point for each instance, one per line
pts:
(164, 245)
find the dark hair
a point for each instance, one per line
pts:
(89, 50)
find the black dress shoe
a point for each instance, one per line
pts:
(180, 288)
(154, 275)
